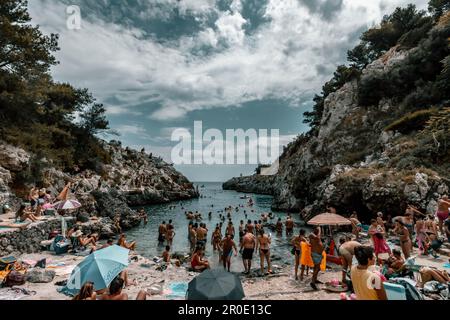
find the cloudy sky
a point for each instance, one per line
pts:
(159, 65)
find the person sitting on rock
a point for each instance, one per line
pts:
(198, 263)
(25, 213)
(395, 262)
(83, 241)
(123, 243)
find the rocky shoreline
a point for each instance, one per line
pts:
(353, 161)
(129, 180)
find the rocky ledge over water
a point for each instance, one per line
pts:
(367, 158)
(131, 178)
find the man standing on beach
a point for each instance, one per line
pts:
(347, 252)
(248, 246)
(227, 246)
(250, 227)
(202, 235)
(317, 248)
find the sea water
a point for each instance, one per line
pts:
(213, 199)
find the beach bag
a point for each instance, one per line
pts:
(6, 261)
(411, 291)
(62, 248)
(14, 278)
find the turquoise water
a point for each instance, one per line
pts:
(213, 199)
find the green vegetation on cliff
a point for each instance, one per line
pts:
(36, 112)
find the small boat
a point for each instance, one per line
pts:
(245, 197)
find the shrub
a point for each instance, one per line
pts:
(412, 121)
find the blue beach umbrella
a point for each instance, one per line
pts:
(100, 268)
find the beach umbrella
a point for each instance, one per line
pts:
(329, 219)
(215, 285)
(100, 268)
(67, 205)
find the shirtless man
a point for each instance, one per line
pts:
(250, 227)
(331, 209)
(248, 248)
(193, 237)
(315, 239)
(202, 235)
(227, 245)
(258, 226)
(230, 229)
(265, 217)
(442, 212)
(297, 244)
(346, 252)
(162, 231)
(289, 226)
(115, 291)
(166, 255)
(263, 244)
(279, 226)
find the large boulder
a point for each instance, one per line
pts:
(38, 275)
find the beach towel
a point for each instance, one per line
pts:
(15, 293)
(306, 259)
(177, 291)
(447, 265)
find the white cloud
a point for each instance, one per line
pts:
(279, 60)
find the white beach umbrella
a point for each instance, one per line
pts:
(67, 205)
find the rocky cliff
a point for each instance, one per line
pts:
(131, 178)
(353, 162)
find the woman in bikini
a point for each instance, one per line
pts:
(356, 225)
(123, 243)
(216, 238)
(263, 244)
(170, 235)
(405, 240)
(442, 212)
(421, 236)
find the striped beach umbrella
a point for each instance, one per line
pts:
(67, 205)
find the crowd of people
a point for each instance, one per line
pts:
(412, 229)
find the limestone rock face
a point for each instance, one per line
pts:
(131, 179)
(348, 161)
